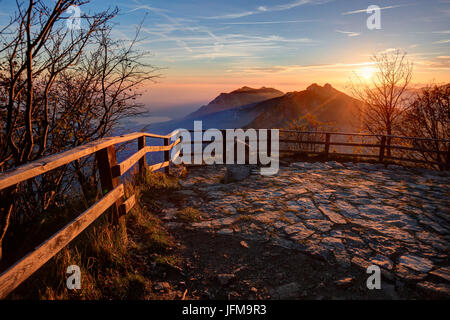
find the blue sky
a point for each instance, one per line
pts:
(209, 46)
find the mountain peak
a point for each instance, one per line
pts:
(243, 89)
(326, 89)
(314, 86)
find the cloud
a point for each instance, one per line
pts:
(262, 9)
(233, 15)
(146, 7)
(267, 22)
(441, 41)
(349, 33)
(439, 62)
(383, 8)
(322, 67)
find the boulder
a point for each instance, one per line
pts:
(237, 172)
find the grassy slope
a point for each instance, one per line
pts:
(114, 265)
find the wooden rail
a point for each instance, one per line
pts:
(382, 146)
(109, 170)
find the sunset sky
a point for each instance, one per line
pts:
(210, 46)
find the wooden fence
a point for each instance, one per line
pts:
(382, 149)
(109, 171)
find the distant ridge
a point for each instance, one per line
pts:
(240, 97)
(325, 103)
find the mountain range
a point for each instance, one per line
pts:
(270, 108)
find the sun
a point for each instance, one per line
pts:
(367, 72)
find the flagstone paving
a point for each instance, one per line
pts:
(347, 214)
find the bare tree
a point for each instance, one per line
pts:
(385, 95)
(60, 87)
(429, 117)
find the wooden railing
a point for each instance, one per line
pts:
(109, 171)
(384, 147)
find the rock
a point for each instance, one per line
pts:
(298, 231)
(443, 273)
(345, 282)
(333, 243)
(435, 289)
(382, 261)
(244, 244)
(333, 216)
(287, 291)
(408, 274)
(361, 263)
(237, 172)
(225, 278)
(418, 264)
(347, 209)
(225, 231)
(335, 165)
(320, 225)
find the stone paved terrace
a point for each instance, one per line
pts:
(348, 214)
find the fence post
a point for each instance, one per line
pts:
(106, 160)
(143, 160)
(224, 151)
(167, 155)
(269, 143)
(382, 147)
(327, 145)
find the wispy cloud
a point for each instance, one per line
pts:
(322, 67)
(349, 33)
(268, 22)
(382, 8)
(262, 9)
(442, 41)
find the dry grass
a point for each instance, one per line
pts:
(189, 214)
(112, 264)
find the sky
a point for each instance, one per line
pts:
(206, 47)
